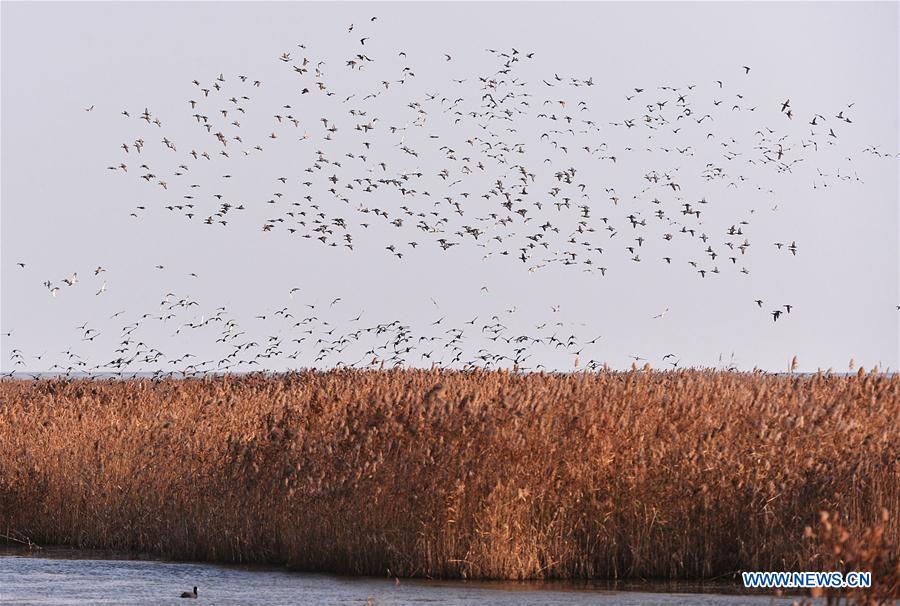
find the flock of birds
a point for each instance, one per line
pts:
(327, 336)
(523, 171)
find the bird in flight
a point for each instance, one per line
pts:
(519, 187)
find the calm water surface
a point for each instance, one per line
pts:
(39, 579)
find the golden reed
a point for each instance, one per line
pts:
(670, 475)
(870, 550)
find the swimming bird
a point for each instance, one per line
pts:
(190, 594)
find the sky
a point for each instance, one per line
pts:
(630, 80)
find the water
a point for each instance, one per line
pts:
(29, 579)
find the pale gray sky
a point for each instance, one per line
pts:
(63, 211)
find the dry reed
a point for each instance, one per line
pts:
(869, 551)
(669, 475)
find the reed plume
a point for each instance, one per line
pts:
(671, 475)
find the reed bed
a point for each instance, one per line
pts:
(669, 475)
(871, 551)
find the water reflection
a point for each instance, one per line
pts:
(39, 579)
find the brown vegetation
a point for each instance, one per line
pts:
(690, 474)
(870, 551)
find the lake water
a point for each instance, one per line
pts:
(38, 579)
(81, 578)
